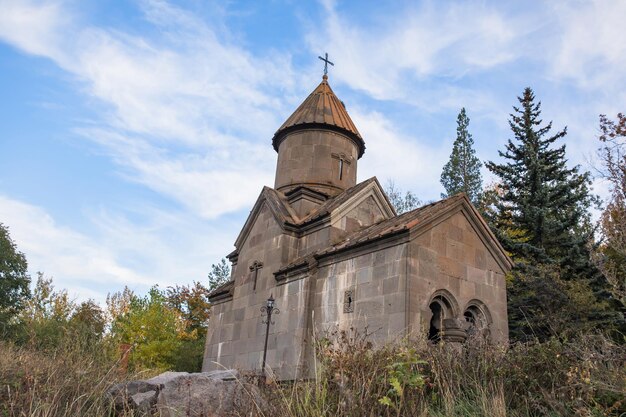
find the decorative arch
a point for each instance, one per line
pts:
(448, 299)
(442, 306)
(477, 317)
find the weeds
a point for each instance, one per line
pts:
(68, 381)
(582, 377)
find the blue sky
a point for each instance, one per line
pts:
(135, 136)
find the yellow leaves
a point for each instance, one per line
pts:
(385, 401)
(397, 386)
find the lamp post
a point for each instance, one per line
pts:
(268, 309)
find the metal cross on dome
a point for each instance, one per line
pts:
(326, 62)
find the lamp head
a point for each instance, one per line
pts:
(270, 302)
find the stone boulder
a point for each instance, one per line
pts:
(174, 394)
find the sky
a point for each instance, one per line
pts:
(135, 136)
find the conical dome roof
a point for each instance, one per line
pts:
(321, 109)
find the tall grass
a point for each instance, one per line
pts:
(62, 382)
(585, 377)
(582, 377)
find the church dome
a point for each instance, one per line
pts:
(321, 110)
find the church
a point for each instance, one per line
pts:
(334, 255)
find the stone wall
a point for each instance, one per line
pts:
(451, 259)
(236, 333)
(376, 281)
(310, 157)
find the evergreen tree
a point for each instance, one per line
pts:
(461, 174)
(544, 208)
(220, 274)
(542, 219)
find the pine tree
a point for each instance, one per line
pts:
(220, 274)
(545, 205)
(461, 174)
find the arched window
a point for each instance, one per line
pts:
(441, 308)
(477, 318)
(436, 322)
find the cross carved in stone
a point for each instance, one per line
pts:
(254, 268)
(343, 160)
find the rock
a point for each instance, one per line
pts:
(165, 377)
(225, 375)
(144, 402)
(174, 394)
(121, 395)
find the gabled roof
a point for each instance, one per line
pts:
(286, 217)
(332, 203)
(405, 221)
(223, 292)
(321, 109)
(424, 216)
(278, 205)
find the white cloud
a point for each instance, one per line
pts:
(121, 252)
(33, 27)
(185, 110)
(390, 155)
(591, 46)
(74, 259)
(444, 41)
(210, 181)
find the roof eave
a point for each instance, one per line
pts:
(281, 134)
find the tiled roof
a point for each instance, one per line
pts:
(223, 291)
(279, 204)
(388, 227)
(334, 202)
(399, 223)
(321, 108)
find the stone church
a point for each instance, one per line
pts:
(334, 254)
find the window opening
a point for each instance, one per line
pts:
(436, 322)
(476, 320)
(341, 168)
(348, 301)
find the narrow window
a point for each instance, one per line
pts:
(341, 169)
(348, 301)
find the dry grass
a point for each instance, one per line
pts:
(61, 383)
(557, 378)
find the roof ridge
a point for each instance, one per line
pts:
(336, 200)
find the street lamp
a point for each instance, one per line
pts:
(268, 309)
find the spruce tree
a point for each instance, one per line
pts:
(461, 174)
(542, 219)
(545, 204)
